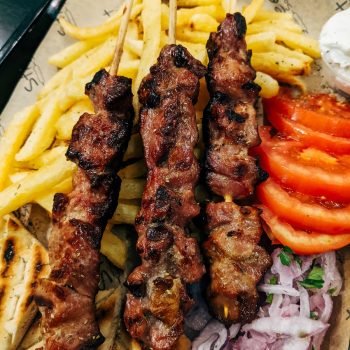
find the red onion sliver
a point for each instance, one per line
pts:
(292, 326)
(278, 289)
(304, 302)
(275, 308)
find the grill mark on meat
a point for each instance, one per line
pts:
(230, 117)
(158, 301)
(237, 262)
(79, 218)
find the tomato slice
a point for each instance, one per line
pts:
(326, 142)
(319, 112)
(302, 242)
(304, 211)
(304, 170)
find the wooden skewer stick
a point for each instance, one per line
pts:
(121, 37)
(228, 198)
(172, 21)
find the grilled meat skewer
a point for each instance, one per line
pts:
(67, 298)
(237, 263)
(158, 300)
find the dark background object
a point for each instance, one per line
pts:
(23, 24)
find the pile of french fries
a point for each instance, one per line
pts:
(32, 162)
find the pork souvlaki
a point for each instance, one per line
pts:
(237, 263)
(66, 298)
(158, 299)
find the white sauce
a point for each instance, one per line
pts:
(335, 50)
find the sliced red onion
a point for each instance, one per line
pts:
(285, 324)
(324, 312)
(332, 278)
(278, 289)
(306, 262)
(245, 343)
(291, 326)
(297, 343)
(318, 339)
(287, 274)
(328, 306)
(304, 302)
(213, 337)
(275, 308)
(290, 310)
(233, 330)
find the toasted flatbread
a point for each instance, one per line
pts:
(108, 309)
(22, 261)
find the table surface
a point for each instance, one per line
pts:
(23, 24)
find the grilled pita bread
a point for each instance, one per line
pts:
(22, 261)
(108, 312)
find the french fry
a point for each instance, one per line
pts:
(135, 46)
(274, 25)
(25, 191)
(110, 26)
(134, 170)
(293, 80)
(164, 16)
(90, 62)
(275, 64)
(45, 200)
(251, 10)
(295, 54)
(131, 188)
(203, 22)
(66, 122)
(151, 21)
(43, 132)
(269, 86)
(264, 15)
(72, 52)
(73, 92)
(184, 14)
(308, 45)
(56, 80)
(129, 69)
(135, 345)
(292, 53)
(229, 6)
(185, 34)
(193, 3)
(47, 157)
(19, 175)
(125, 213)
(114, 248)
(261, 42)
(13, 138)
(134, 149)
(101, 56)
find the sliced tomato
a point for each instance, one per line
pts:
(319, 112)
(304, 170)
(299, 241)
(302, 211)
(326, 142)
